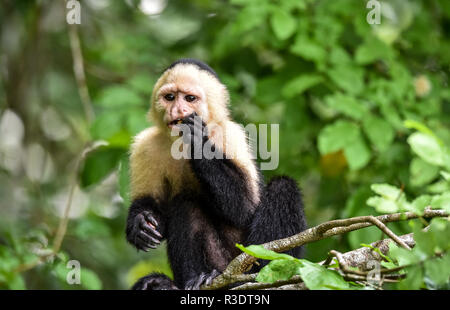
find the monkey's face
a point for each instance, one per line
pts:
(183, 90)
(181, 99)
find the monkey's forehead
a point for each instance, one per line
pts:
(195, 62)
(188, 75)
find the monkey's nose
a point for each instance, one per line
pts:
(182, 113)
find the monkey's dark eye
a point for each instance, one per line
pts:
(169, 97)
(190, 98)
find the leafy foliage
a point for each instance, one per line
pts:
(284, 267)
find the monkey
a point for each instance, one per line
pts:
(201, 206)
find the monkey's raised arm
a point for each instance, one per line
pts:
(223, 181)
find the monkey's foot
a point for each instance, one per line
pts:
(154, 282)
(202, 279)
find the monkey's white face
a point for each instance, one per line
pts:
(179, 100)
(183, 90)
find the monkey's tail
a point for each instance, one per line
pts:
(280, 214)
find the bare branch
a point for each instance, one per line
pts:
(243, 262)
(80, 76)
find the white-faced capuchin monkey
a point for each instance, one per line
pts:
(202, 206)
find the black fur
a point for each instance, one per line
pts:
(201, 65)
(203, 228)
(154, 281)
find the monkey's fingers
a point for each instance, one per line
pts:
(195, 283)
(142, 244)
(211, 277)
(197, 129)
(150, 218)
(149, 240)
(192, 119)
(150, 229)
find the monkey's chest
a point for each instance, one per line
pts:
(180, 178)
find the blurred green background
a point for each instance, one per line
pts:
(339, 87)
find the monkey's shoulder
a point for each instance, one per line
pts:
(153, 168)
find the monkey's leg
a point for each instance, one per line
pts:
(279, 215)
(154, 281)
(187, 235)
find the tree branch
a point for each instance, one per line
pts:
(80, 76)
(243, 262)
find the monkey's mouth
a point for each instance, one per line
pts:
(175, 122)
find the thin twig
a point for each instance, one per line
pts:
(80, 76)
(343, 266)
(388, 232)
(62, 227)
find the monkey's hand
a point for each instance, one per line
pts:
(142, 231)
(194, 132)
(202, 279)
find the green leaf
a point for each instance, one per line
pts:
(379, 131)
(259, 251)
(392, 199)
(420, 203)
(383, 205)
(344, 135)
(347, 105)
(372, 50)
(438, 187)
(308, 49)
(440, 227)
(15, 281)
(403, 256)
(337, 136)
(387, 191)
(348, 78)
(414, 278)
(421, 172)
(283, 24)
(427, 147)
(357, 154)
(339, 56)
(100, 164)
(278, 269)
(445, 175)
(438, 269)
(418, 126)
(120, 139)
(90, 280)
(299, 84)
(425, 242)
(317, 277)
(441, 202)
